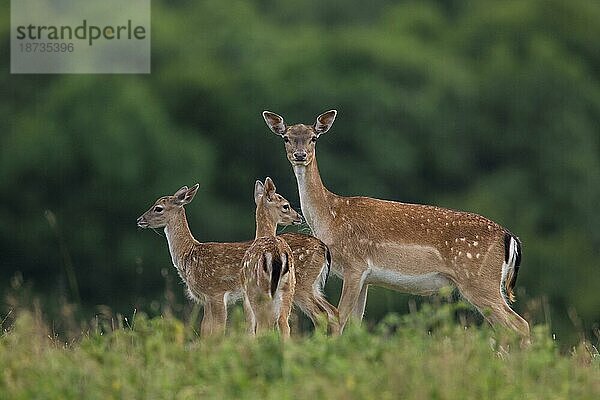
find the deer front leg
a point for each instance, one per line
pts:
(351, 290)
(207, 320)
(361, 303)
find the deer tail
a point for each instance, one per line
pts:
(510, 267)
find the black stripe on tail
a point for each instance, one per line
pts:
(518, 261)
(507, 237)
(328, 257)
(277, 266)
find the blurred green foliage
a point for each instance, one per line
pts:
(422, 355)
(486, 106)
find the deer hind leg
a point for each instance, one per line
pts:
(285, 307)
(499, 312)
(264, 318)
(263, 311)
(318, 309)
(250, 316)
(333, 317)
(219, 315)
(517, 323)
(493, 306)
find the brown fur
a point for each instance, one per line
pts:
(268, 273)
(265, 287)
(211, 271)
(408, 247)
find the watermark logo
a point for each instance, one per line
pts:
(80, 36)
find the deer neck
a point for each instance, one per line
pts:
(264, 225)
(315, 199)
(180, 240)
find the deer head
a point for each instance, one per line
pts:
(274, 206)
(166, 208)
(300, 139)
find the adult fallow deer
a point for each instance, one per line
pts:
(407, 247)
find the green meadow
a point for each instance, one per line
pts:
(422, 355)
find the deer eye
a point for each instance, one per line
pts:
(286, 139)
(313, 139)
(286, 207)
(158, 209)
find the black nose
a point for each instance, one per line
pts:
(141, 222)
(300, 155)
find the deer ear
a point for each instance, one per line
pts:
(274, 122)
(180, 191)
(270, 188)
(259, 191)
(184, 195)
(325, 121)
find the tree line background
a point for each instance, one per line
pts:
(486, 106)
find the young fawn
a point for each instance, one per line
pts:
(268, 274)
(407, 247)
(211, 271)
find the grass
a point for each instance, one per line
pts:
(424, 355)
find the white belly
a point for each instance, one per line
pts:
(424, 284)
